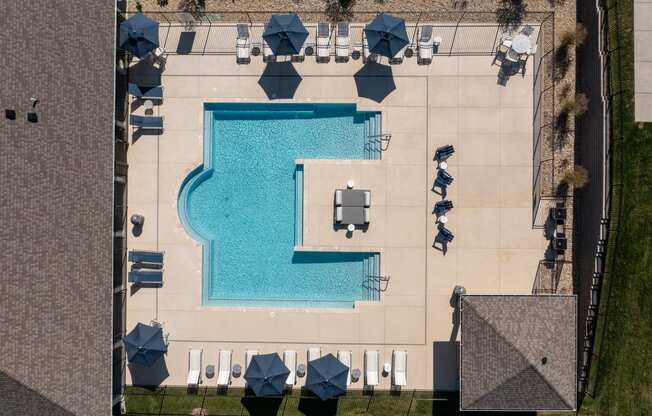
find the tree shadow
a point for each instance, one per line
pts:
(262, 406)
(374, 81)
(280, 80)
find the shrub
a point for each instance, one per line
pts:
(577, 177)
(511, 14)
(577, 105)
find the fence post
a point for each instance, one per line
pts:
(411, 400)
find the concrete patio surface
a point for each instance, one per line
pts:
(455, 100)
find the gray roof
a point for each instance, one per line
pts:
(56, 180)
(504, 342)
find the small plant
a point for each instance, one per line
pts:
(565, 91)
(577, 105)
(510, 14)
(578, 177)
(162, 3)
(139, 7)
(339, 10)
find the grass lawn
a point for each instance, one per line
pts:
(623, 372)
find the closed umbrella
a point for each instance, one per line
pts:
(327, 377)
(285, 34)
(266, 375)
(139, 35)
(386, 35)
(145, 345)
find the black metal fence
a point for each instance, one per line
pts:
(178, 401)
(214, 33)
(613, 98)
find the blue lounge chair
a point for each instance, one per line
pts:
(442, 207)
(142, 256)
(444, 235)
(146, 276)
(144, 92)
(443, 179)
(147, 122)
(444, 152)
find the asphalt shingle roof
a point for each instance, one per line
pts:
(56, 179)
(518, 353)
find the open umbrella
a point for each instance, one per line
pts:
(266, 375)
(327, 377)
(139, 35)
(145, 345)
(285, 34)
(386, 35)
(374, 81)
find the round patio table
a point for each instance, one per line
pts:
(350, 228)
(521, 43)
(443, 165)
(443, 219)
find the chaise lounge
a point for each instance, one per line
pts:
(146, 122)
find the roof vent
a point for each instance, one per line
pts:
(544, 360)
(32, 117)
(10, 114)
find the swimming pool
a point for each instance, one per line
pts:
(242, 204)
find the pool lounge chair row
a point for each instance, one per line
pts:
(427, 45)
(147, 267)
(371, 366)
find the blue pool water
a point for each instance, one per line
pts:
(244, 205)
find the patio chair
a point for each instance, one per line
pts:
(268, 53)
(290, 361)
(146, 92)
(146, 122)
(339, 214)
(314, 353)
(157, 58)
(345, 358)
(323, 42)
(370, 368)
(249, 354)
(143, 256)
(367, 198)
(243, 45)
(366, 215)
(145, 277)
(301, 56)
(444, 235)
(444, 152)
(194, 367)
(443, 180)
(399, 368)
(342, 42)
(398, 58)
(224, 368)
(338, 197)
(512, 56)
(425, 45)
(367, 56)
(442, 207)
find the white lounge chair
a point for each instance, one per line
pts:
(314, 353)
(301, 56)
(367, 56)
(268, 54)
(399, 368)
(323, 42)
(339, 214)
(342, 42)
(398, 58)
(243, 45)
(158, 57)
(371, 368)
(194, 367)
(249, 354)
(425, 45)
(345, 358)
(224, 368)
(290, 361)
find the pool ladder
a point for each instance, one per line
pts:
(382, 140)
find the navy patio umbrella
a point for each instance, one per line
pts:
(145, 345)
(386, 35)
(285, 34)
(139, 35)
(266, 375)
(327, 377)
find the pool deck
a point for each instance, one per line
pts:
(455, 100)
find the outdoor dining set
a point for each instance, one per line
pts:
(352, 207)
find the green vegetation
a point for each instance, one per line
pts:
(621, 375)
(178, 401)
